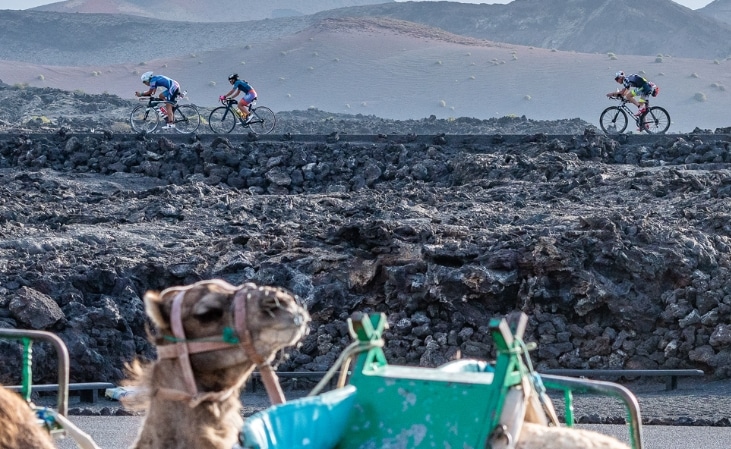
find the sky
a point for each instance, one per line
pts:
(25, 4)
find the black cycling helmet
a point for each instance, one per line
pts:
(233, 77)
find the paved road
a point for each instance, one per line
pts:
(119, 432)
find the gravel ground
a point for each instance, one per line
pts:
(699, 403)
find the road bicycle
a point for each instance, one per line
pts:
(147, 117)
(223, 119)
(614, 119)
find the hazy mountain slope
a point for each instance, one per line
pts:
(204, 10)
(718, 9)
(393, 69)
(93, 39)
(649, 27)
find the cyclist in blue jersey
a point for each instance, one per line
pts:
(240, 86)
(633, 87)
(171, 92)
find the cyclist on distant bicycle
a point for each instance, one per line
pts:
(634, 86)
(240, 86)
(171, 92)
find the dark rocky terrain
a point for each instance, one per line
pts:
(617, 248)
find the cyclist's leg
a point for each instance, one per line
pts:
(246, 101)
(171, 95)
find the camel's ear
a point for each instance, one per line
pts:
(155, 308)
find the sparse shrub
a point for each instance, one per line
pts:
(468, 54)
(142, 63)
(164, 65)
(193, 55)
(716, 61)
(200, 62)
(336, 60)
(554, 50)
(364, 104)
(312, 108)
(135, 72)
(442, 103)
(694, 75)
(700, 96)
(314, 53)
(120, 127)
(718, 86)
(212, 83)
(611, 55)
(515, 57)
(41, 77)
(613, 58)
(247, 47)
(527, 97)
(658, 59)
(96, 73)
(283, 53)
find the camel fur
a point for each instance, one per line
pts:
(18, 425)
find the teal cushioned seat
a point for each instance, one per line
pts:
(316, 422)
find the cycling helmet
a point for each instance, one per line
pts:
(618, 75)
(233, 77)
(146, 77)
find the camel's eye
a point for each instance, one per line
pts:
(210, 308)
(210, 315)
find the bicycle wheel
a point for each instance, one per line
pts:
(222, 120)
(187, 119)
(613, 120)
(262, 120)
(143, 119)
(656, 121)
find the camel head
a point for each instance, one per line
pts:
(222, 331)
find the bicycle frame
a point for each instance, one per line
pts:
(231, 104)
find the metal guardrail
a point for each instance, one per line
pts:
(88, 391)
(670, 384)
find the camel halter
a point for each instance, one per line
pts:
(241, 336)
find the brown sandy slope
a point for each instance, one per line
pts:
(395, 69)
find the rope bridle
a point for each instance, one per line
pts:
(240, 335)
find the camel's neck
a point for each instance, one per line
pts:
(173, 424)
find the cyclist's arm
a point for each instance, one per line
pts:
(147, 93)
(233, 93)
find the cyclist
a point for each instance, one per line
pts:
(633, 86)
(240, 86)
(171, 92)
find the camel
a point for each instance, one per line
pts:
(18, 426)
(210, 336)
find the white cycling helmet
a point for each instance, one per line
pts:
(146, 77)
(618, 74)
